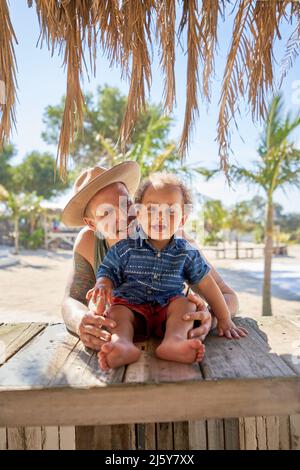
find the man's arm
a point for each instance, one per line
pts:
(75, 304)
(76, 314)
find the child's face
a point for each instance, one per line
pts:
(161, 212)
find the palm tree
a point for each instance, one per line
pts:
(238, 221)
(19, 205)
(278, 166)
(149, 151)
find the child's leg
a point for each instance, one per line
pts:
(175, 345)
(120, 350)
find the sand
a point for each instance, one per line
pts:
(33, 289)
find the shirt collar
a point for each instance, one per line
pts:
(142, 239)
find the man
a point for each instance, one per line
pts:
(103, 203)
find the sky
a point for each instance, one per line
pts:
(42, 82)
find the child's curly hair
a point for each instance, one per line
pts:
(160, 179)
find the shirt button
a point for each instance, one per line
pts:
(155, 276)
(158, 255)
(149, 291)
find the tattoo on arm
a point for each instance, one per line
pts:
(82, 279)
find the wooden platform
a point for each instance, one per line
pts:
(245, 394)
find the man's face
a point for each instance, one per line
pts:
(111, 211)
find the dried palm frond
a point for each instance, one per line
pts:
(165, 31)
(7, 74)
(293, 44)
(123, 29)
(136, 31)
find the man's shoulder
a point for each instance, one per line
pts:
(84, 244)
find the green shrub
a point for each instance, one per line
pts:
(34, 240)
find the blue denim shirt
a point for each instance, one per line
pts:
(141, 274)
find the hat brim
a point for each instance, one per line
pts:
(127, 173)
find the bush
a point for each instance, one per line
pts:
(34, 240)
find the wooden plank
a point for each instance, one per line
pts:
(81, 369)
(151, 369)
(38, 362)
(261, 432)
(123, 437)
(198, 435)
(16, 438)
(3, 439)
(93, 437)
(244, 358)
(181, 435)
(65, 361)
(164, 436)
(282, 337)
(33, 438)
(14, 336)
(231, 434)
(215, 434)
(50, 438)
(295, 431)
(250, 433)
(272, 426)
(145, 436)
(284, 433)
(67, 438)
(138, 403)
(242, 433)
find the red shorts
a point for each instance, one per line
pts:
(149, 320)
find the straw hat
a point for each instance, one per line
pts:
(91, 180)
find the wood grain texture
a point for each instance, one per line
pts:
(198, 435)
(281, 336)
(245, 358)
(14, 336)
(50, 437)
(3, 439)
(67, 438)
(138, 403)
(295, 431)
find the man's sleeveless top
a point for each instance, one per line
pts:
(100, 249)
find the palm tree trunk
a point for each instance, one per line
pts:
(16, 234)
(267, 307)
(237, 252)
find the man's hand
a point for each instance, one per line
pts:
(226, 327)
(90, 330)
(202, 314)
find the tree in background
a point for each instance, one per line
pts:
(23, 187)
(36, 172)
(150, 144)
(6, 169)
(214, 220)
(238, 221)
(18, 206)
(278, 166)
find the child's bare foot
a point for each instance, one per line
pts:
(117, 354)
(181, 350)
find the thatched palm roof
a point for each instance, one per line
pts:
(125, 31)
